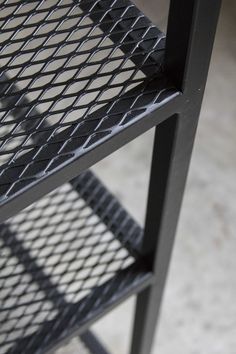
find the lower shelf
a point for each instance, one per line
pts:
(65, 261)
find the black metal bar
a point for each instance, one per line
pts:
(190, 36)
(172, 152)
(92, 343)
(71, 168)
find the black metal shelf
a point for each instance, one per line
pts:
(65, 261)
(78, 80)
(75, 77)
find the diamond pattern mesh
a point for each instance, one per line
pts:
(72, 73)
(60, 264)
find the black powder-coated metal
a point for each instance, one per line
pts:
(62, 265)
(78, 80)
(91, 342)
(73, 74)
(190, 38)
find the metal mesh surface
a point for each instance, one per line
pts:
(72, 73)
(59, 266)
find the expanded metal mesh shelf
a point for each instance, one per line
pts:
(78, 80)
(73, 75)
(65, 260)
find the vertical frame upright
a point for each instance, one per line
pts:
(190, 37)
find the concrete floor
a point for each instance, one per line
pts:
(199, 310)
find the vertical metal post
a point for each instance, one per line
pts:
(190, 37)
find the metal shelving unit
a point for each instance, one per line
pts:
(78, 80)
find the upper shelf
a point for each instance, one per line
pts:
(77, 81)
